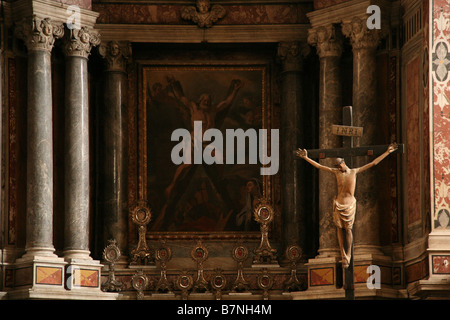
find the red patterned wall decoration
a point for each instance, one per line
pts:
(440, 69)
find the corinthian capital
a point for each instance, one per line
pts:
(79, 42)
(327, 39)
(360, 36)
(38, 33)
(291, 55)
(116, 55)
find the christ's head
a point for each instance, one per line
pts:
(339, 163)
(204, 102)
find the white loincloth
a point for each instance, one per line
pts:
(344, 216)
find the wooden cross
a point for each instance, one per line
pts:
(348, 131)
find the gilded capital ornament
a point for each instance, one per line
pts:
(291, 55)
(327, 40)
(79, 42)
(39, 33)
(116, 55)
(360, 36)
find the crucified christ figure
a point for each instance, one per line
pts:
(344, 204)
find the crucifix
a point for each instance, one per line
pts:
(344, 204)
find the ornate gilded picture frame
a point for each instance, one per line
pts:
(198, 198)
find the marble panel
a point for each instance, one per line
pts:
(441, 264)
(413, 140)
(321, 276)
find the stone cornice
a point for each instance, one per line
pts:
(193, 34)
(56, 11)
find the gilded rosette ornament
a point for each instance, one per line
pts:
(140, 282)
(293, 254)
(199, 254)
(111, 254)
(265, 282)
(218, 283)
(240, 254)
(264, 215)
(163, 254)
(141, 216)
(39, 33)
(184, 283)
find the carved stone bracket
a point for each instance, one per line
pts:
(163, 254)
(116, 55)
(39, 34)
(111, 254)
(264, 215)
(203, 14)
(200, 253)
(327, 39)
(360, 36)
(140, 282)
(141, 216)
(240, 254)
(79, 42)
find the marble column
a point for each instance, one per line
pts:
(77, 47)
(291, 55)
(113, 145)
(328, 42)
(365, 114)
(39, 36)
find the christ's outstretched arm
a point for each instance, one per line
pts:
(392, 147)
(304, 154)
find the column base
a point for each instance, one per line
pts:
(437, 285)
(38, 273)
(326, 277)
(368, 249)
(38, 253)
(39, 293)
(83, 273)
(324, 272)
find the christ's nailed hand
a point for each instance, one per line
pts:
(302, 153)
